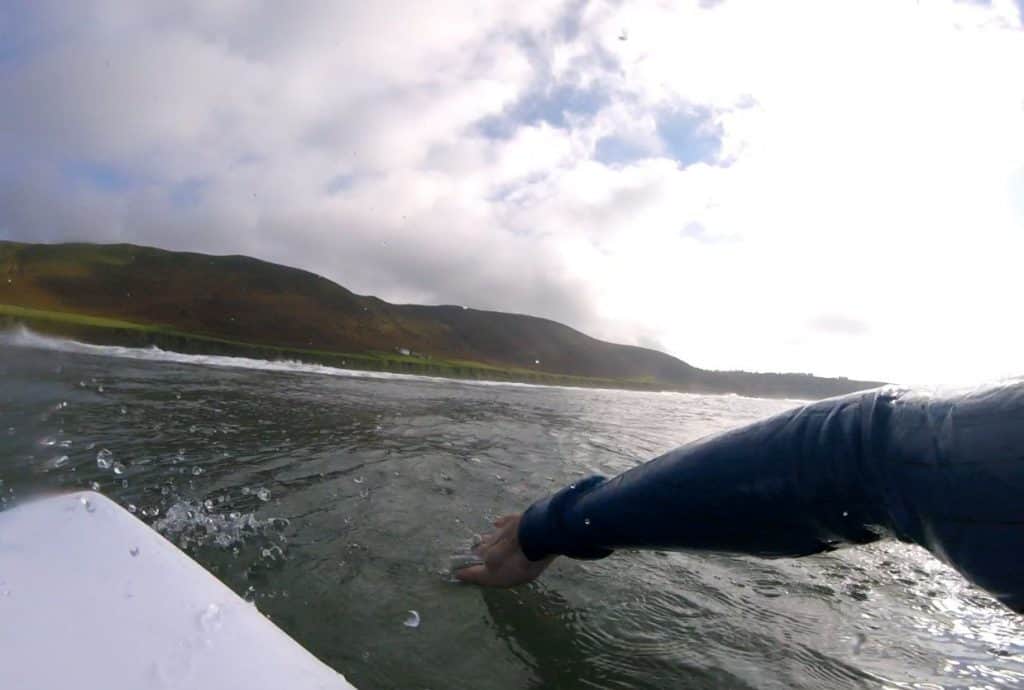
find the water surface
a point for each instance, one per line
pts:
(334, 499)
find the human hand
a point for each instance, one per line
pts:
(504, 564)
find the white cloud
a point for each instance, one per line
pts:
(871, 171)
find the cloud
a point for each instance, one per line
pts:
(727, 182)
(837, 324)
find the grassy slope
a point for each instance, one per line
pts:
(103, 331)
(193, 302)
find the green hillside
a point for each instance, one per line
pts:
(190, 302)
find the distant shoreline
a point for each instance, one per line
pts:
(105, 331)
(191, 303)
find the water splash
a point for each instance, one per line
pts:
(104, 459)
(187, 524)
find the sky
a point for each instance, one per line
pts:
(826, 187)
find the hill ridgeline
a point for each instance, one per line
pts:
(129, 294)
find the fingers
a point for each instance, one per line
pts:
(487, 542)
(504, 520)
(474, 574)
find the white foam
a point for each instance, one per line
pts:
(24, 337)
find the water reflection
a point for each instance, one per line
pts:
(332, 502)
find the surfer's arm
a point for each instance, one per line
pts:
(945, 473)
(797, 483)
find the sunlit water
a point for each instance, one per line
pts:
(334, 501)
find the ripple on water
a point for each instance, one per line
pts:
(866, 617)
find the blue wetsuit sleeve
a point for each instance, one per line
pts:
(946, 473)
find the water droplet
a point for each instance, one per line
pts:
(586, 521)
(134, 551)
(132, 508)
(210, 618)
(124, 410)
(208, 504)
(234, 515)
(846, 513)
(412, 620)
(499, 477)
(95, 486)
(89, 507)
(246, 491)
(104, 459)
(99, 388)
(572, 486)
(358, 480)
(118, 468)
(365, 493)
(196, 471)
(177, 396)
(61, 461)
(263, 495)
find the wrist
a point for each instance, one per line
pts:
(547, 528)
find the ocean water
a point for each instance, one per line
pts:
(334, 500)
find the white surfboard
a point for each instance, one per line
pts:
(92, 598)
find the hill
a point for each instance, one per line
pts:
(237, 304)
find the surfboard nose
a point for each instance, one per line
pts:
(90, 596)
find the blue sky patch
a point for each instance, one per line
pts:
(690, 136)
(554, 106)
(612, 150)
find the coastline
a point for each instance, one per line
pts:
(105, 331)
